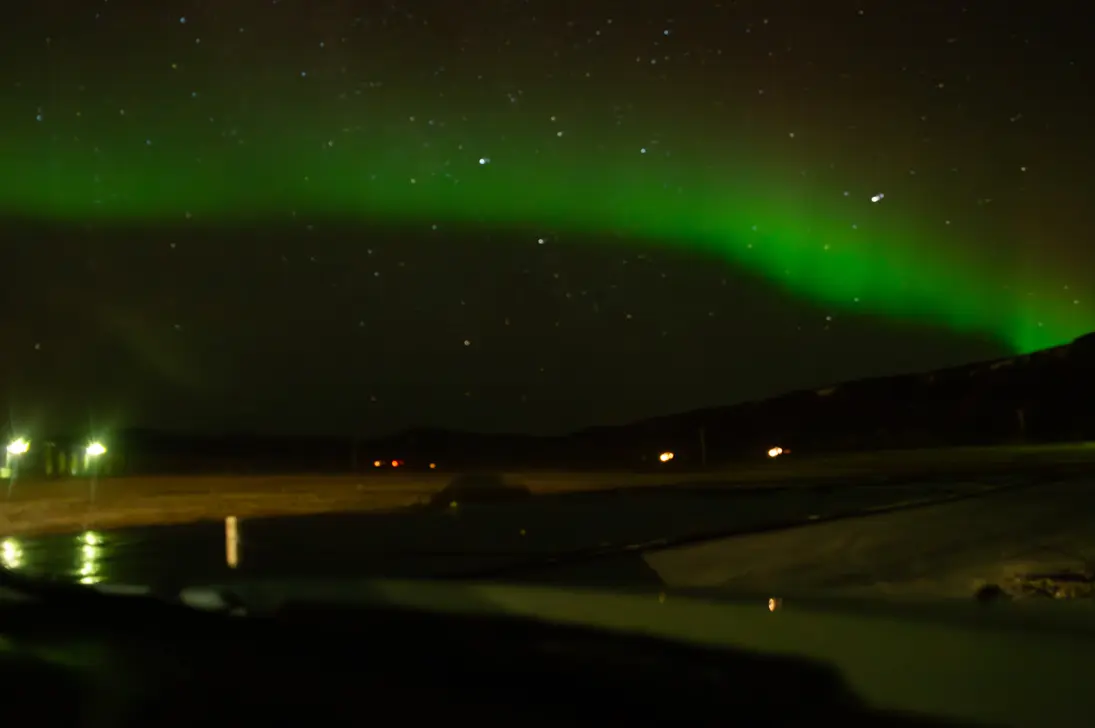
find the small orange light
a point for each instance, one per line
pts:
(377, 463)
(395, 463)
(433, 466)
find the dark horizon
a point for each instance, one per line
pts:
(888, 390)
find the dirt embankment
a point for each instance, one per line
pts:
(80, 504)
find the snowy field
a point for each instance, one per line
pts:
(947, 550)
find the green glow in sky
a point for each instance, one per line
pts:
(843, 252)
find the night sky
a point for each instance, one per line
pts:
(329, 216)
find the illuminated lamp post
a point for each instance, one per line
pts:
(92, 453)
(16, 449)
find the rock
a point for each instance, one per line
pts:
(990, 593)
(488, 488)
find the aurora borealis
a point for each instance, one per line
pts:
(891, 167)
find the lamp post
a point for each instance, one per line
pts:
(16, 449)
(92, 453)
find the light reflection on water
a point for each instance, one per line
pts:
(90, 553)
(47, 555)
(231, 542)
(11, 554)
(88, 549)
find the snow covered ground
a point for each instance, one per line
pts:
(948, 550)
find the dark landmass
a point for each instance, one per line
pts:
(1039, 398)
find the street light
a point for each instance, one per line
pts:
(94, 450)
(15, 451)
(18, 446)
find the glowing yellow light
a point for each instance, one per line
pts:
(95, 449)
(18, 446)
(433, 466)
(377, 463)
(11, 554)
(775, 452)
(665, 457)
(90, 553)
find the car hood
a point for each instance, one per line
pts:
(1007, 663)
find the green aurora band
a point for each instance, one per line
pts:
(813, 247)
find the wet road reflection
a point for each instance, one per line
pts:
(437, 542)
(11, 554)
(86, 549)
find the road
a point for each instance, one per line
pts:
(462, 539)
(108, 503)
(66, 505)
